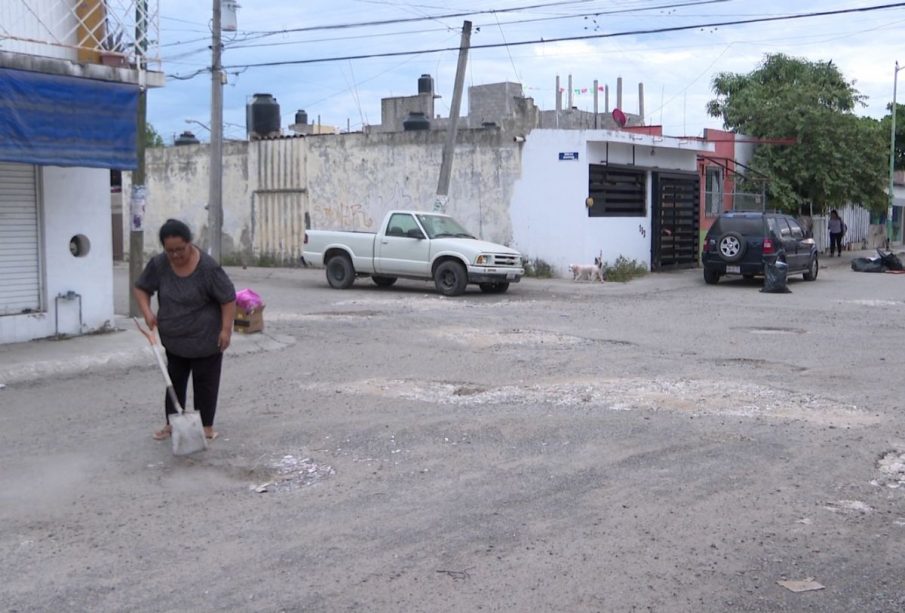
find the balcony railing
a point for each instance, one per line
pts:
(113, 32)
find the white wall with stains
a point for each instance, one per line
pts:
(344, 181)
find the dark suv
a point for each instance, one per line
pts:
(738, 243)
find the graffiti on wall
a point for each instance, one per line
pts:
(343, 217)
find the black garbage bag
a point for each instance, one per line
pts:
(775, 273)
(883, 262)
(890, 260)
(868, 265)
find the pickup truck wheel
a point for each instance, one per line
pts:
(383, 281)
(451, 278)
(494, 288)
(340, 274)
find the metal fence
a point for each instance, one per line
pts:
(115, 32)
(858, 234)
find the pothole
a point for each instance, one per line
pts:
(892, 470)
(290, 472)
(515, 337)
(848, 507)
(362, 313)
(689, 396)
(759, 363)
(772, 330)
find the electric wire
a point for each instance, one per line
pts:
(640, 32)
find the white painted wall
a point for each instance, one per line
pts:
(72, 201)
(549, 217)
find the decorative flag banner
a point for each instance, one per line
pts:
(583, 90)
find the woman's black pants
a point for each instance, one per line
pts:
(836, 242)
(205, 373)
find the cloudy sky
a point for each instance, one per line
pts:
(611, 38)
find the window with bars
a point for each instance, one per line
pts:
(616, 192)
(713, 194)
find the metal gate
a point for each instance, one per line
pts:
(20, 271)
(675, 220)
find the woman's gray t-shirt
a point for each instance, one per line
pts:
(188, 315)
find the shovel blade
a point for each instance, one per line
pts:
(188, 435)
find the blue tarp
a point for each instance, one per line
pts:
(54, 120)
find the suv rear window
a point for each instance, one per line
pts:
(746, 226)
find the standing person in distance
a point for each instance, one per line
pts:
(196, 309)
(836, 229)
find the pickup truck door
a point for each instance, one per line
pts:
(402, 249)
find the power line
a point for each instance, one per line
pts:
(584, 37)
(253, 34)
(241, 44)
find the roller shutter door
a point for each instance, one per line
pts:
(19, 255)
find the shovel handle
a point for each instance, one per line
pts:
(158, 355)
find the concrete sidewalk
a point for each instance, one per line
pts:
(122, 347)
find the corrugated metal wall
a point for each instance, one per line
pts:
(280, 202)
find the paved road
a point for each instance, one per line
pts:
(659, 445)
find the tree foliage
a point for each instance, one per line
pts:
(900, 135)
(838, 158)
(152, 138)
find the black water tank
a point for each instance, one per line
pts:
(301, 117)
(416, 121)
(262, 116)
(425, 84)
(186, 138)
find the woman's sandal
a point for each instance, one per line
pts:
(163, 434)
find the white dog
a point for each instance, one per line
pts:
(588, 272)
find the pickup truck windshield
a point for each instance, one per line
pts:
(439, 226)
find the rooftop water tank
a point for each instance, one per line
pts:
(425, 84)
(262, 116)
(416, 121)
(186, 138)
(301, 117)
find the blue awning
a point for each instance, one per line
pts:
(54, 120)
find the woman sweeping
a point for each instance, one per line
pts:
(196, 309)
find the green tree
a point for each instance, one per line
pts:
(838, 157)
(152, 138)
(900, 135)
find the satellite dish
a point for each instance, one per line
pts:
(619, 118)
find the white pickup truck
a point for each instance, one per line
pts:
(414, 245)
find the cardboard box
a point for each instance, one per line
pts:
(249, 322)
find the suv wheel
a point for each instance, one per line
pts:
(711, 277)
(732, 246)
(813, 268)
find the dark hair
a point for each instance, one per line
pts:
(175, 228)
(834, 212)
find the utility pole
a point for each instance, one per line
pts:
(450, 147)
(215, 191)
(138, 194)
(892, 159)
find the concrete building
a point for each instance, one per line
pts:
(70, 82)
(513, 182)
(619, 193)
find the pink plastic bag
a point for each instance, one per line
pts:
(248, 300)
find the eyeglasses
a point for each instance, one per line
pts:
(176, 250)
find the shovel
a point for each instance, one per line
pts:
(187, 433)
